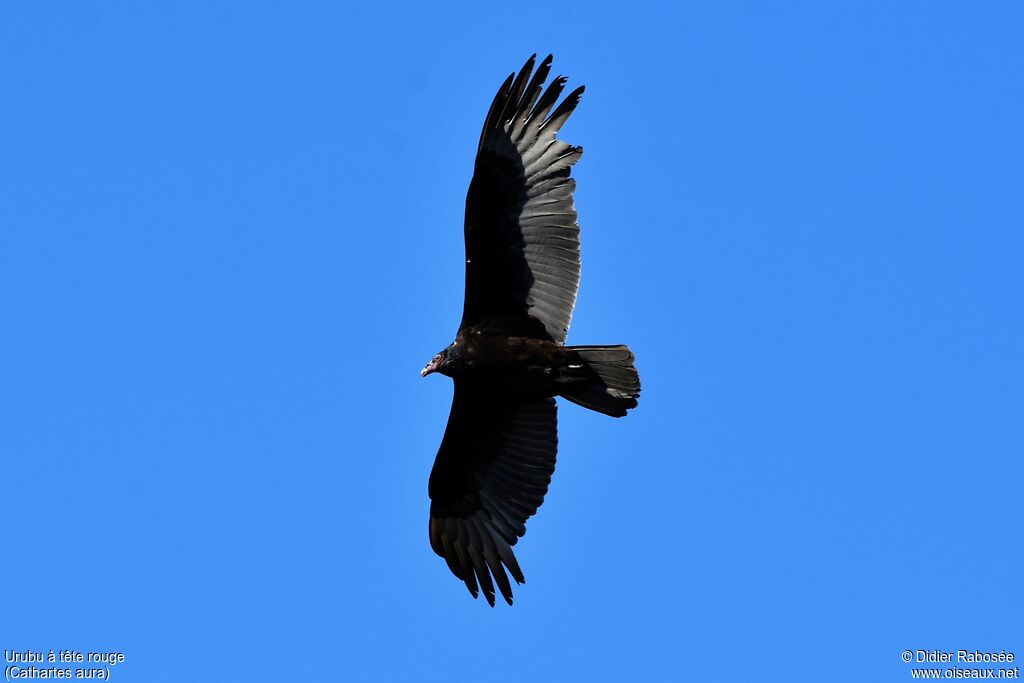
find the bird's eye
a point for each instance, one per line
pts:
(436, 358)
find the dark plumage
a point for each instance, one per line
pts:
(508, 360)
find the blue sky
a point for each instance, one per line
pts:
(230, 237)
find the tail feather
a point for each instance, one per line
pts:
(602, 378)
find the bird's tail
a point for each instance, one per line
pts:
(602, 378)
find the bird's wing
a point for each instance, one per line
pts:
(489, 477)
(522, 240)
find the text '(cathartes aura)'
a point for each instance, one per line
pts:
(508, 360)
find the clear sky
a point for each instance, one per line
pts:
(230, 237)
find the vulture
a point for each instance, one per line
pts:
(508, 361)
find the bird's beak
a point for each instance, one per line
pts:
(425, 371)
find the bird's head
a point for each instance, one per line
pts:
(439, 363)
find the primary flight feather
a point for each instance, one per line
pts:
(508, 361)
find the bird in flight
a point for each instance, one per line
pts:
(508, 360)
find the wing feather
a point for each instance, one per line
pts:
(490, 475)
(520, 215)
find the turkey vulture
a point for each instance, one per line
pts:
(508, 360)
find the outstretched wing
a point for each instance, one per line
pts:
(489, 477)
(522, 240)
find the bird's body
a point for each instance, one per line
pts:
(523, 366)
(508, 360)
